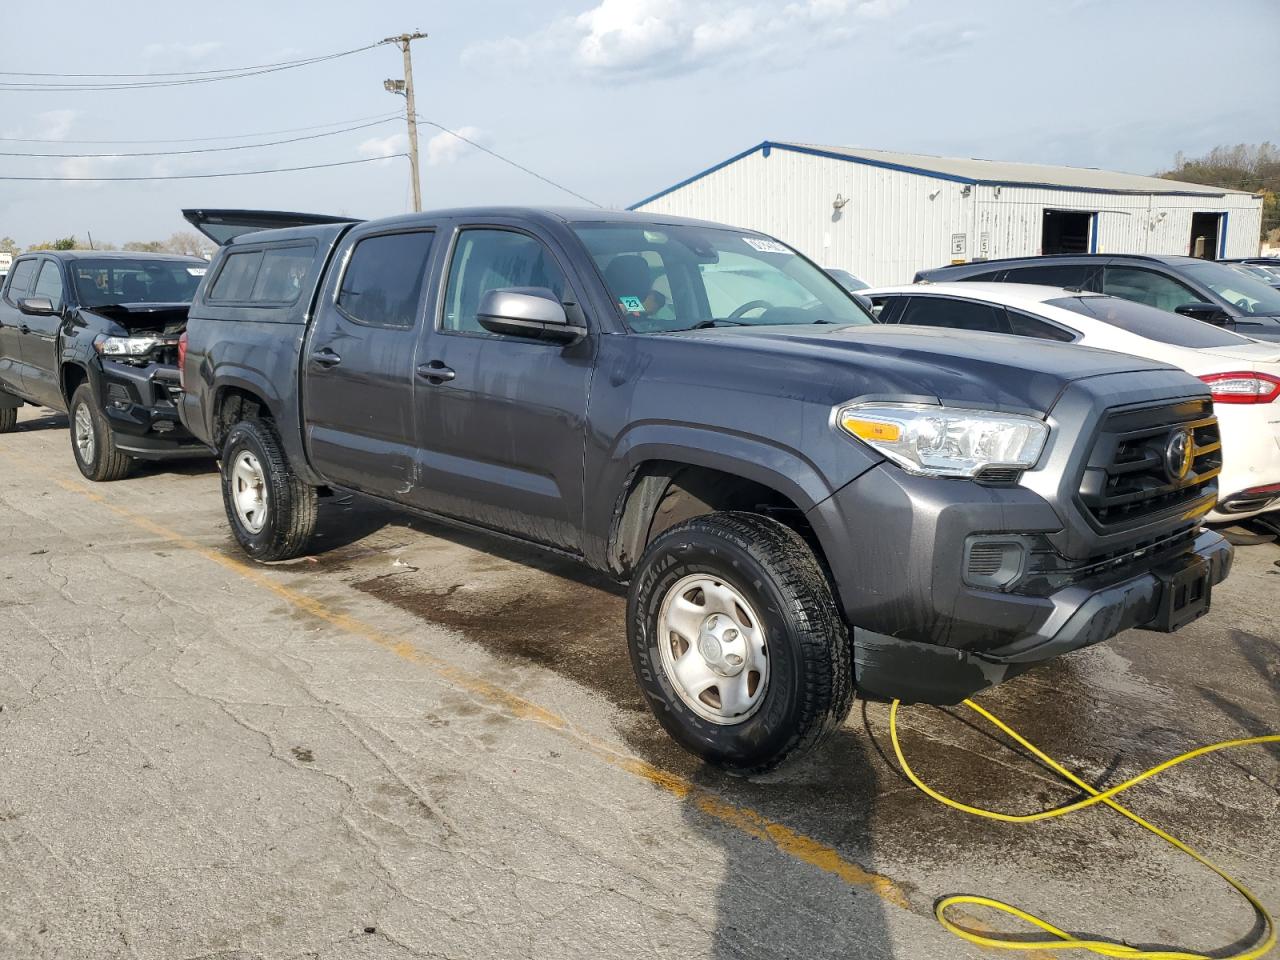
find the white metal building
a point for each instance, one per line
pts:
(883, 216)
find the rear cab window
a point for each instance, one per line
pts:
(382, 283)
(268, 276)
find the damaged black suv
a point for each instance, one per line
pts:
(95, 335)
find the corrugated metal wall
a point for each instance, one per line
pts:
(896, 223)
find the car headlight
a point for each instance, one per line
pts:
(127, 346)
(945, 441)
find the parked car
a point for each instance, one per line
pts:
(846, 279)
(1269, 276)
(1242, 374)
(95, 335)
(800, 499)
(1201, 289)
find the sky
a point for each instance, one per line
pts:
(614, 99)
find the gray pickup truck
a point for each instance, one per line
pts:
(803, 502)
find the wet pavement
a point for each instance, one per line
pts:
(427, 742)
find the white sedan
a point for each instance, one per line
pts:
(1242, 374)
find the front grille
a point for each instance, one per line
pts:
(1133, 474)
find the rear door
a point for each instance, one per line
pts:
(501, 419)
(358, 362)
(39, 342)
(21, 276)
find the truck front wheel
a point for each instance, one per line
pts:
(92, 442)
(271, 511)
(8, 419)
(737, 643)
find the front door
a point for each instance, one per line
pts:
(40, 374)
(12, 320)
(358, 390)
(502, 420)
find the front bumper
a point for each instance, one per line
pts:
(139, 403)
(1084, 614)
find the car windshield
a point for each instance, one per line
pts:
(666, 278)
(847, 280)
(111, 280)
(1252, 297)
(1162, 326)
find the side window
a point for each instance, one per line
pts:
(491, 259)
(282, 273)
(1146, 286)
(886, 309)
(236, 278)
(955, 314)
(20, 279)
(384, 277)
(1023, 325)
(49, 284)
(1050, 275)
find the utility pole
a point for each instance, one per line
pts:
(405, 88)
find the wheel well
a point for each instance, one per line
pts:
(660, 494)
(232, 405)
(72, 375)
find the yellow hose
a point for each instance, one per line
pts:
(1064, 940)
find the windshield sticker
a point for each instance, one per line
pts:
(197, 271)
(632, 304)
(765, 246)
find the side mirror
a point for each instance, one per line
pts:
(530, 312)
(1206, 312)
(37, 306)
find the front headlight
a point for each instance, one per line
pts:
(945, 441)
(127, 346)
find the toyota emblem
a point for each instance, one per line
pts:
(1179, 454)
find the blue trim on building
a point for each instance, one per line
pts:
(768, 146)
(1093, 232)
(1222, 235)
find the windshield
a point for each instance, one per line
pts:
(668, 278)
(1163, 326)
(847, 280)
(100, 283)
(1252, 297)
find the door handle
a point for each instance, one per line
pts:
(325, 357)
(436, 372)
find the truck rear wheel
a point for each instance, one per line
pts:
(8, 419)
(92, 442)
(271, 511)
(737, 643)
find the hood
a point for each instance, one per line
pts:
(993, 371)
(137, 317)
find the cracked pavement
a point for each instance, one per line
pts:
(427, 743)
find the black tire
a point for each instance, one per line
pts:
(8, 419)
(102, 463)
(289, 511)
(810, 684)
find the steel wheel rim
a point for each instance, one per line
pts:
(249, 492)
(713, 649)
(82, 433)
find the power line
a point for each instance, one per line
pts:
(206, 176)
(178, 153)
(507, 160)
(164, 73)
(228, 136)
(14, 86)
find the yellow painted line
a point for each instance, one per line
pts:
(790, 842)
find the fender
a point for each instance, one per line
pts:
(230, 376)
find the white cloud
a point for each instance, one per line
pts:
(616, 39)
(79, 167)
(445, 148)
(938, 40)
(181, 52)
(54, 124)
(387, 146)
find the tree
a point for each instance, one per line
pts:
(144, 246)
(1251, 167)
(9, 245)
(62, 243)
(189, 244)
